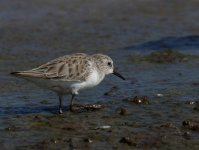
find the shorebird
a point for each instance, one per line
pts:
(70, 73)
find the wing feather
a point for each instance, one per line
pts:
(74, 67)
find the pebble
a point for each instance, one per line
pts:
(159, 95)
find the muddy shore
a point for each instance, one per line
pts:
(155, 108)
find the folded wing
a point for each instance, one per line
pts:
(74, 67)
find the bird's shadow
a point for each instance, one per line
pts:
(30, 110)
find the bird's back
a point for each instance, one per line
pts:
(75, 67)
(61, 74)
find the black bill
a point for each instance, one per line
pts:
(119, 75)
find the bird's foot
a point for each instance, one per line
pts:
(60, 111)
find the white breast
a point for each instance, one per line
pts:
(93, 80)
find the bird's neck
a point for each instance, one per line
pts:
(101, 76)
(100, 70)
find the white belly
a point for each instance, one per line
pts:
(67, 87)
(93, 80)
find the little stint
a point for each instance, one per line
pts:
(70, 73)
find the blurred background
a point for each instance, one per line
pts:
(154, 44)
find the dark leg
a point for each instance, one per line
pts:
(60, 105)
(71, 101)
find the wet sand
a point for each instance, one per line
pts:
(155, 108)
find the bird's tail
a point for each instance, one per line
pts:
(28, 73)
(16, 73)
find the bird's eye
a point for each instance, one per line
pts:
(109, 64)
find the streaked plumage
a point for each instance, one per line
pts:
(70, 73)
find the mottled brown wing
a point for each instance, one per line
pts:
(74, 67)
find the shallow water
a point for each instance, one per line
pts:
(37, 31)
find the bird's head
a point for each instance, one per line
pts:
(105, 64)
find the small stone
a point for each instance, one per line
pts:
(123, 111)
(54, 141)
(187, 135)
(190, 102)
(186, 123)
(196, 102)
(105, 127)
(88, 140)
(160, 95)
(138, 99)
(127, 140)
